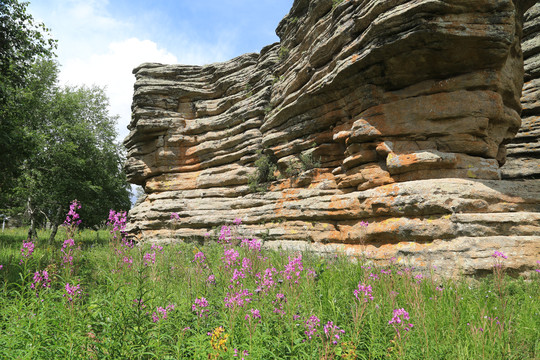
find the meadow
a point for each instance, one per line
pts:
(96, 295)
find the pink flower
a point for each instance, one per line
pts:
(72, 218)
(72, 291)
(398, 321)
(225, 234)
(251, 244)
(67, 250)
(175, 216)
(238, 299)
(364, 290)
(27, 250)
(332, 331)
(311, 326)
(41, 280)
(237, 221)
(498, 254)
(149, 258)
(255, 313)
(293, 269)
(118, 221)
(230, 258)
(161, 312)
(199, 257)
(374, 276)
(200, 306)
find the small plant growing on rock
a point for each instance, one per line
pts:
(283, 53)
(309, 161)
(335, 3)
(264, 174)
(305, 161)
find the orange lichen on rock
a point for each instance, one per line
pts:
(401, 118)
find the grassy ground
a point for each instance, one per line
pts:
(105, 299)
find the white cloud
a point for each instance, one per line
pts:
(95, 48)
(113, 70)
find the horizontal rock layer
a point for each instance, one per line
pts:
(523, 161)
(393, 112)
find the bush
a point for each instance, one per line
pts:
(265, 169)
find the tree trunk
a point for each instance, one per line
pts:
(55, 223)
(32, 233)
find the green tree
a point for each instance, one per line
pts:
(57, 144)
(77, 159)
(23, 44)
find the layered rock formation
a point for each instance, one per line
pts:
(394, 112)
(524, 151)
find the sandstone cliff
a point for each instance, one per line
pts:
(396, 112)
(524, 151)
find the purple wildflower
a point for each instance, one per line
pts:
(199, 257)
(149, 258)
(251, 244)
(238, 299)
(293, 269)
(161, 312)
(67, 250)
(72, 218)
(267, 281)
(200, 306)
(365, 291)
(311, 326)
(225, 234)
(41, 280)
(118, 221)
(27, 250)
(332, 332)
(398, 320)
(230, 258)
(72, 291)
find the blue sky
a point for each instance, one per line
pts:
(101, 41)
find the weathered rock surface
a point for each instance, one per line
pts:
(524, 151)
(394, 112)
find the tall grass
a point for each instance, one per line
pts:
(230, 299)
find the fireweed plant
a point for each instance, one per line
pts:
(232, 299)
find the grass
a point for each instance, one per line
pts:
(229, 299)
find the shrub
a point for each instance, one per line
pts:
(265, 169)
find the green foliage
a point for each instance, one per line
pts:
(292, 20)
(306, 161)
(77, 159)
(249, 91)
(265, 169)
(118, 317)
(335, 3)
(24, 44)
(276, 79)
(57, 144)
(283, 53)
(309, 161)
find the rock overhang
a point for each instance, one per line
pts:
(416, 99)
